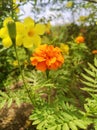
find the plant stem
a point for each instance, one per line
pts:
(22, 74)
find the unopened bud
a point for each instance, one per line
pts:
(12, 30)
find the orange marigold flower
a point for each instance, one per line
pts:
(94, 52)
(47, 57)
(79, 39)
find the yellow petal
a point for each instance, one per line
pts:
(40, 29)
(36, 40)
(29, 20)
(20, 28)
(19, 40)
(28, 42)
(7, 42)
(7, 20)
(3, 32)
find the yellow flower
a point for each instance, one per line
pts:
(28, 33)
(64, 48)
(6, 40)
(33, 33)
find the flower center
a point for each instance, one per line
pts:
(31, 33)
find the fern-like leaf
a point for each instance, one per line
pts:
(90, 78)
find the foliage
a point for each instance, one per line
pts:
(64, 95)
(90, 81)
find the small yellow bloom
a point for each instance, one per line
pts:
(64, 48)
(15, 63)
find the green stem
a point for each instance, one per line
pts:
(22, 74)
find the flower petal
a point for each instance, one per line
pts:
(40, 29)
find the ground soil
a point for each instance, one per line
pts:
(16, 118)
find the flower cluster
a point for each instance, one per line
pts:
(47, 57)
(28, 33)
(79, 39)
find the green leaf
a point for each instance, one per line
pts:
(58, 127)
(2, 104)
(88, 78)
(95, 62)
(67, 116)
(95, 124)
(80, 124)
(36, 122)
(41, 124)
(65, 126)
(91, 73)
(88, 84)
(3, 94)
(92, 67)
(89, 89)
(9, 102)
(72, 126)
(53, 128)
(18, 101)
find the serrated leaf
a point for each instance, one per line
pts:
(36, 122)
(90, 79)
(2, 104)
(80, 124)
(65, 126)
(72, 126)
(88, 84)
(18, 101)
(67, 116)
(9, 102)
(89, 89)
(3, 94)
(53, 128)
(40, 125)
(92, 67)
(86, 108)
(91, 73)
(33, 116)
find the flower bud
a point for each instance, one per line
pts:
(12, 30)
